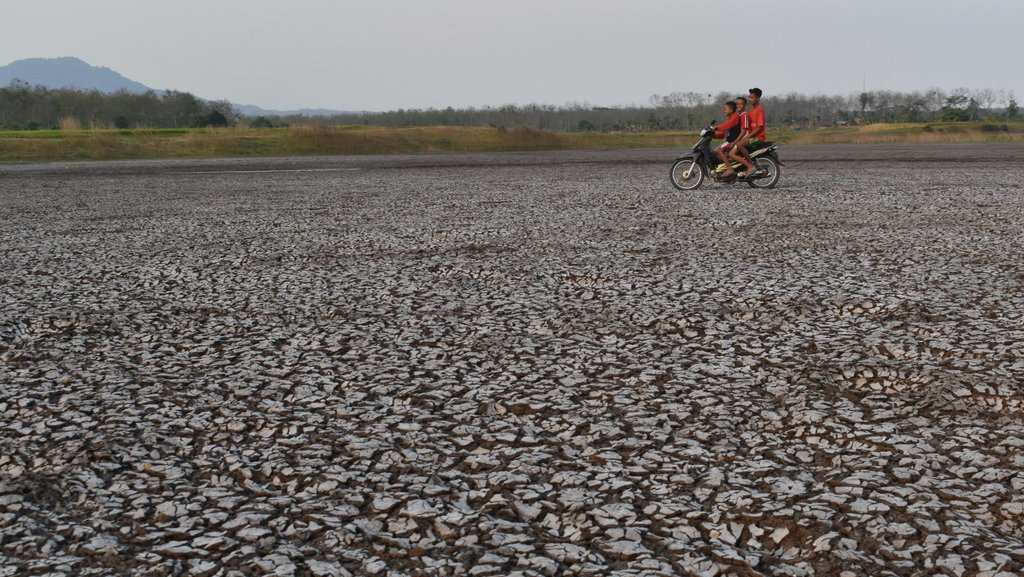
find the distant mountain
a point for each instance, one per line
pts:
(69, 72)
(250, 110)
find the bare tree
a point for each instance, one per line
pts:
(986, 98)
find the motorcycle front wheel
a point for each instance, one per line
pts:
(686, 174)
(771, 171)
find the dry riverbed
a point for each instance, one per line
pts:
(543, 364)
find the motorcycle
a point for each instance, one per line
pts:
(690, 170)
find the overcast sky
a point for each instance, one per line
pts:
(390, 54)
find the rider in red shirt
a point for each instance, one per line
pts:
(756, 130)
(730, 130)
(738, 152)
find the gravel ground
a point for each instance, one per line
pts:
(538, 364)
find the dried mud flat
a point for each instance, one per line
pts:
(533, 364)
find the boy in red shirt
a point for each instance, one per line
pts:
(738, 152)
(729, 130)
(756, 129)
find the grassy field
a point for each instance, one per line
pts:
(892, 133)
(62, 145)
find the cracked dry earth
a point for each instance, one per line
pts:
(539, 365)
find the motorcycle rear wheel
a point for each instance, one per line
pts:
(771, 170)
(686, 174)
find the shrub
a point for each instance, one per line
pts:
(954, 115)
(216, 118)
(70, 124)
(261, 122)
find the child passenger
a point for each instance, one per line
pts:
(730, 131)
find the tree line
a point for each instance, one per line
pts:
(24, 107)
(693, 110)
